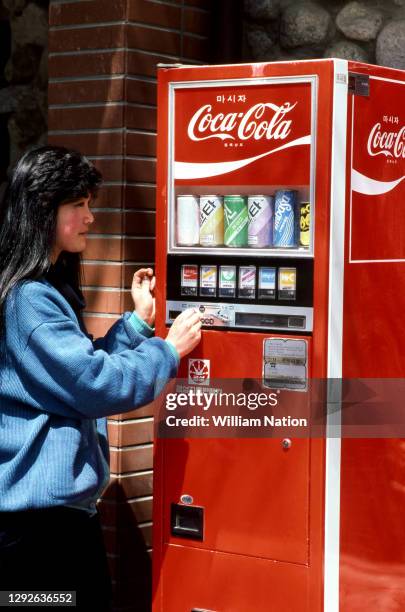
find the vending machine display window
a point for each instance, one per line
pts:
(241, 167)
(271, 223)
(240, 201)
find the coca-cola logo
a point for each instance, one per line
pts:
(388, 143)
(263, 120)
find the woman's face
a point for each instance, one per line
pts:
(72, 226)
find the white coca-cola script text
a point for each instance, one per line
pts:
(257, 123)
(390, 144)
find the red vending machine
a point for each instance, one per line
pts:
(280, 217)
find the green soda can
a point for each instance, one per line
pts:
(236, 221)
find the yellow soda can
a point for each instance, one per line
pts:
(305, 221)
(211, 220)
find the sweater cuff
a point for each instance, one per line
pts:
(174, 351)
(140, 325)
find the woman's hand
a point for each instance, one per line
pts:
(142, 291)
(185, 333)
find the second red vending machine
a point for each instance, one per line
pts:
(272, 182)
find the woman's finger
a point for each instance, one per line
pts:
(141, 275)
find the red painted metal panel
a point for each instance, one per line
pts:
(372, 487)
(215, 581)
(255, 495)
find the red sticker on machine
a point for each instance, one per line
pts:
(198, 371)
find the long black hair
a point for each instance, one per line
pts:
(42, 179)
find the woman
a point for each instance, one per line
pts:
(57, 385)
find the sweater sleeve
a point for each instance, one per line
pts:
(126, 333)
(63, 372)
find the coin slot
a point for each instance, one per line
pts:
(174, 313)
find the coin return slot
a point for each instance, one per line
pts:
(187, 522)
(253, 319)
(297, 322)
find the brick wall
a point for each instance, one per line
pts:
(102, 101)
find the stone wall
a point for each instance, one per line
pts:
(370, 31)
(24, 82)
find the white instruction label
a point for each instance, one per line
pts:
(285, 364)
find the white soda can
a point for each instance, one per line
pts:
(211, 220)
(187, 220)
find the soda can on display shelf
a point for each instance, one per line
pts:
(305, 222)
(236, 221)
(284, 230)
(211, 220)
(187, 220)
(260, 211)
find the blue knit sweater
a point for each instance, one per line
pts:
(57, 387)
